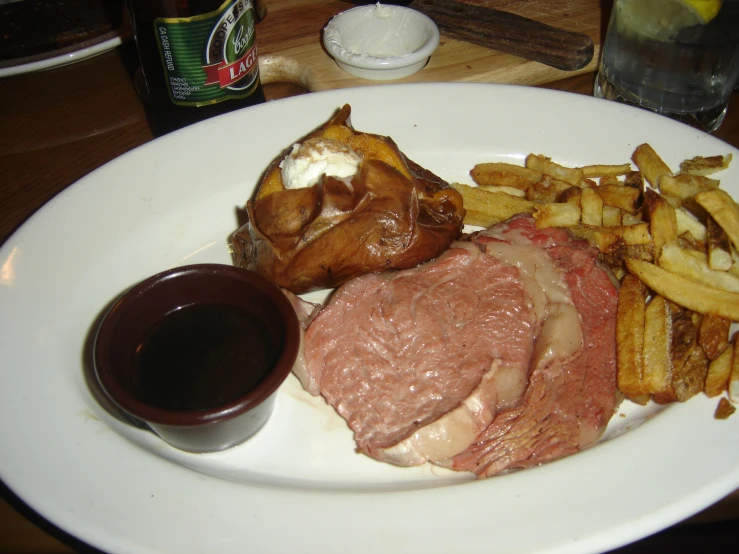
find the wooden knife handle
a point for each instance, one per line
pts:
(509, 33)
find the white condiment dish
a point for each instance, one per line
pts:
(381, 42)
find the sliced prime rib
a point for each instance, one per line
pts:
(419, 361)
(568, 403)
(497, 355)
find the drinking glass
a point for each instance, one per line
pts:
(679, 58)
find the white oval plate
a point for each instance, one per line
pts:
(299, 486)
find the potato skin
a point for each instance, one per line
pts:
(393, 214)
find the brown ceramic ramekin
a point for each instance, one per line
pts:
(140, 309)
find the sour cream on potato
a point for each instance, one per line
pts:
(308, 161)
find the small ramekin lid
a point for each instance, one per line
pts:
(381, 42)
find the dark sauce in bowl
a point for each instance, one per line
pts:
(202, 356)
(198, 354)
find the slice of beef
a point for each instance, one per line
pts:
(419, 361)
(569, 402)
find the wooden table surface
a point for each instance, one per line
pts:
(60, 124)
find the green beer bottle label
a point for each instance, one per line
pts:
(211, 57)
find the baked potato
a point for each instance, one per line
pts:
(374, 210)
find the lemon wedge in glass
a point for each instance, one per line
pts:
(706, 9)
(663, 19)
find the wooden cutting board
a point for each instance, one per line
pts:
(290, 48)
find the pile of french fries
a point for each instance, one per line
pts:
(671, 238)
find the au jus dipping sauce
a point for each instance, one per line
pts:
(202, 356)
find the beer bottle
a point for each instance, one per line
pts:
(198, 59)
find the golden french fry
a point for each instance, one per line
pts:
(505, 174)
(705, 166)
(685, 186)
(717, 378)
(611, 216)
(627, 199)
(686, 292)
(687, 264)
(502, 188)
(642, 252)
(609, 180)
(588, 183)
(634, 179)
(630, 339)
(615, 246)
(605, 170)
(592, 207)
(480, 218)
(546, 190)
(673, 201)
(687, 242)
(718, 246)
(713, 335)
(615, 252)
(687, 223)
(734, 269)
(571, 196)
(657, 335)
(628, 219)
(724, 410)
(584, 232)
(630, 234)
(723, 209)
(544, 164)
(688, 362)
(556, 215)
(487, 208)
(662, 221)
(688, 379)
(619, 272)
(608, 243)
(733, 385)
(652, 167)
(697, 250)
